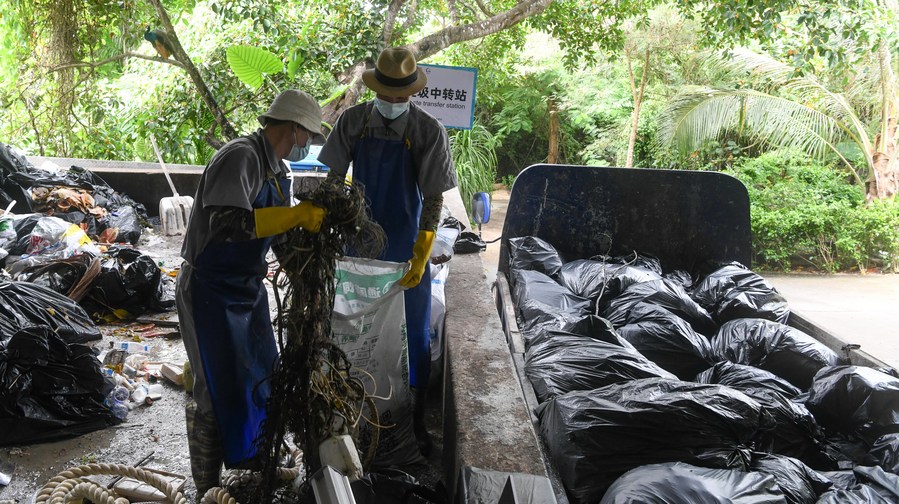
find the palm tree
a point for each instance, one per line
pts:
(784, 109)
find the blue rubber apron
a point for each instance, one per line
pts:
(385, 169)
(234, 333)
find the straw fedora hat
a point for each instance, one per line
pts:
(395, 74)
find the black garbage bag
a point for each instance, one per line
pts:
(799, 483)
(598, 328)
(532, 253)
(50, 389)
(783, 350)
(543, 304)
(796, 433)
(855, 400)
(24, 226)
(666, 294)
(867, 485)
(640, 260)
(586, 278)
(885, 453)
(24, 305)
(680, 483)
(733, 292)
(125, 218)
(596, 436)
(680, 277)
(566, 362)
(128, 280)
(394, 487)
(622, 276)
(469, 243)
(667, 340)
(741, 376)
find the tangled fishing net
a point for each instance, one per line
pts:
(313, 394)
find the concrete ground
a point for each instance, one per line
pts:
(855, 308)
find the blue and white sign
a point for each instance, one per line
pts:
(449, 95)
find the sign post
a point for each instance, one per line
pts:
(449, 95)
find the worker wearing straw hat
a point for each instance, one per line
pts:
(401, 155)
(242, 204)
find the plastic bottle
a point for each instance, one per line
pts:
(120, 411)
(120, 393)
(139, 395)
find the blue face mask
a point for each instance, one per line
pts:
(391, 110)
(298, 153)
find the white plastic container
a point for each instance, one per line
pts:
(134, 347)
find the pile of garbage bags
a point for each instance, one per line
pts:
(75, 195)
(657, 386)
(67, 263)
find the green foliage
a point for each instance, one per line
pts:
(251, 63)
(807, 214)
(474, 154)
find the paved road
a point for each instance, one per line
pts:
(855, 308)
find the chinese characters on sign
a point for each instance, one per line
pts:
(449, 95)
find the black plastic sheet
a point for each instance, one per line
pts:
(50, 389)
(855, 400)
(733, 292)
(666, 294)
(742, 376)
(24, 305)
(680, 483)
(783, 350)
(680, 277)
(667, 340)
(543, 304)
(532, 253)
(394, 487)
(799, 483)
(595, 436)
(567, 362)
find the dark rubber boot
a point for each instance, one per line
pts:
(205, 449)
(419, 400)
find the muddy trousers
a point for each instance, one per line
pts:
(419, 399)
(205, 446)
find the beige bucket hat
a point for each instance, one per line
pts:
(299, 107)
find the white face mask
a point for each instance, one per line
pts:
(391, 110)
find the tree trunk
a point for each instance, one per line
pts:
(553, 156)
(178, 53)
(432, 44)
(638, 102)
(883, 181)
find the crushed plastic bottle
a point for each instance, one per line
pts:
(116, 402)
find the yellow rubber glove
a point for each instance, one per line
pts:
(421, 254)
(278, 219)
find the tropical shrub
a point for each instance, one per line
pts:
(808, 214)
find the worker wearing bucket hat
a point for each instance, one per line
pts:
(401, 155)
(242, 203)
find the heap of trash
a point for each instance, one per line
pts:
(68, 264)
(658, 386)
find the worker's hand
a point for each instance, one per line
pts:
(276, 220)
(421, 253)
